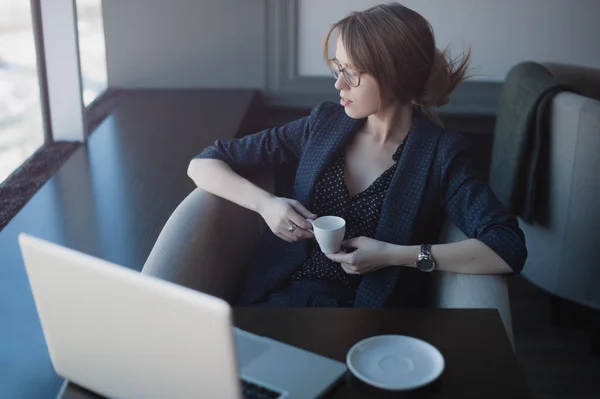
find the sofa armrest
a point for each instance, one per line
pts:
(205, 244)
(453, 290)
(584, 80)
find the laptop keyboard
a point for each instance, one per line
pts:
(254, 391)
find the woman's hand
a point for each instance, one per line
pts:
(287, 218)
(369, 255)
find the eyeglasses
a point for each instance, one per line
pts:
(350, 75)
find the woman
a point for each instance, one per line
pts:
(381, 160)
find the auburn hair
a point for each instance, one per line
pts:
(396, 46)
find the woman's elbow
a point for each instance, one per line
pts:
(509, 250)
(498, 264)
(516, 262)
(191, 167)
(196, 170)
(521, 259)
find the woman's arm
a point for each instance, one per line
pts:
(221, 169)
(268, 150)
(496, 244)
(469, 256)
(217, 177)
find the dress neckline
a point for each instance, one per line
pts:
(366, 191)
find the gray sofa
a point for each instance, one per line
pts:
(207, 240)
(563, 250)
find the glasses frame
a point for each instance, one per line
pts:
(342, 71)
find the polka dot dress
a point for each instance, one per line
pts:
(361, 213)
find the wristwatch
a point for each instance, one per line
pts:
(425, 262)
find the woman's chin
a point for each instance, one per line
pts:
(354, 113)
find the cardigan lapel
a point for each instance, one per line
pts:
(400, 207)
(325, 145)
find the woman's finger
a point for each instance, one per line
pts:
(349, 268)
(352, 242)
(302, 211)
(301, 233)
(289, 235)
(298, 220)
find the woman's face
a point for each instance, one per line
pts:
(361, 101)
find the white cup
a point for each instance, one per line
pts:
(329, 232)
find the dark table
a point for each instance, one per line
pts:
(110, 199)
(480, 362)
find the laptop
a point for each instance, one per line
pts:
(124, 334)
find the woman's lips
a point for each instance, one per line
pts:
(345, 102)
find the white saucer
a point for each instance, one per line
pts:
(395, 362)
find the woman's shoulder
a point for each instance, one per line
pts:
(444, 140)
(451, 143)
(328, 109)
(454, 151)
(329, 119)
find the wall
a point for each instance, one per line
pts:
(241, 43)
(185, 43)
(501, 33)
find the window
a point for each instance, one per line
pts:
(92, 50)
(21, 132)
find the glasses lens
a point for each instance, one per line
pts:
(351, 77)
(335, 69)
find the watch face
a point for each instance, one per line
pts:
(426, 265)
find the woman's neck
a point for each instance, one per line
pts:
(391, 124)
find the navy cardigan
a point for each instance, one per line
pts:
(435, 179)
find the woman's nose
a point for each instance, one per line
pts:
(340, 82)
